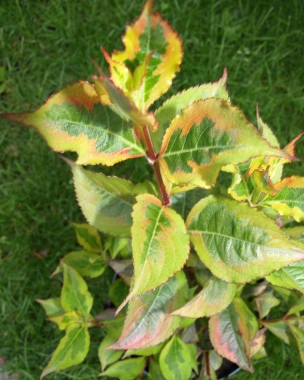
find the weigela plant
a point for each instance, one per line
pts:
(199, 266)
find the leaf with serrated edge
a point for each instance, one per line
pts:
(106, 202)
(153, 51)
(296, 233)
(215, 297)
(174, 105)
(160, 244)
(265, 131)
(257, 343)
(148, 321)
(75, 120)
(52, 307)
(128, 369)
(290, 277)
(106, 356)
(85, 263)
(238, 243)
(230, 334)
(88, 237)
(74, 294)
(207, 135)
(144, 351)
(175, 360)
(289, 199)
(72, 349)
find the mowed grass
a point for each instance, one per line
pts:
(46, 45)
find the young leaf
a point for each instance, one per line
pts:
(88, 237)
(207, 135)
(128, 369)
(230, 334)
(160, 244)
(174, 105)
(215, 297)
(107, 356)
(289, 199)
(106, 202)
(153, 53)
(265, 303)
(52, 307)
(75, 120)
(75, 295)
(238, 243)
(85, 263)
(290, 277)
(175, 360)
(148, 321)
(72, 349)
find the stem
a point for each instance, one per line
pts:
(153, 159)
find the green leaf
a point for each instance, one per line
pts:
(106, 202)
(299, 336)
(128, 369)
(174, 105)
(88, 237)
(265, 303)
(52, 307)
(72, 349)
(183, 202)
(238, 243)
(85, 263)
(297, 307)
(215, 297)
(266, 132)
(118, 291)
(63, 321)
(175, 360)
(107, 356)
(113, 326)
(155, 371)
(281, 329)
(160, 244)
(152, 55)
(75, 295)
(206, 136)
(230, 334)
(115, 245)
(289, 199)
(75, 120)
(144, 351)
(296, 233)
(207, 370)
(148, 321)
(290, 277)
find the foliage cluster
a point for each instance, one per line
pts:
(198, 262)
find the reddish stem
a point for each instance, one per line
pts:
(153, 159)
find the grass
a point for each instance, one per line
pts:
(47, 45)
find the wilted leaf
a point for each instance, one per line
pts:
(88, 237)
(160, 244)
(72, 349)
(257, 343)
(236, 242)
(206, 136)
(215, 297)
(230, 334)
(75, 120)
(174, 360)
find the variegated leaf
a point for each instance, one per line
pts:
(128, 369)
(72, 349)
(230, 334)
(87, 264)
(290, 277)
(214, 297)
(88, 237)
(206, 136)
(152, 55)
(238, 243)
(75, 120)
(174, 105)
(289, 199)
(148, 321)
(160, 244)
(107, 356)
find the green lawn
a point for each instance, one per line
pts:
(47, 44)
